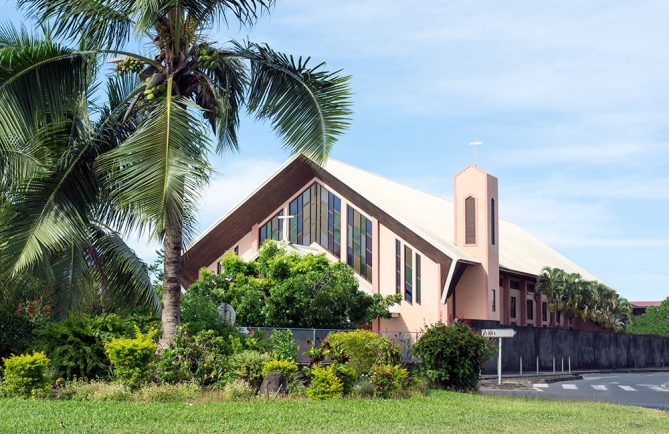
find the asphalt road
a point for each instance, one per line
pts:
(648, 389)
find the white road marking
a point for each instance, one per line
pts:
(570, 386)
(599, 387)
(627, 388)
(538, 389)
(541, 385)
(659, 389)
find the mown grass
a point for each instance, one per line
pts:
(438, 412)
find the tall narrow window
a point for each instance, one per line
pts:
(272, 230)
(492, 221)
(398, 267)
(219, 267)
(512, 309)
(494, 300)
(236, 250)
(544, 311)
(359, 247)
(418, 282)
(530, 309)
(408, 274)
(470, 220)
(316, 219)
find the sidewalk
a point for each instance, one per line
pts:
(575, 371)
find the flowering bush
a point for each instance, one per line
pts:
(25, 375)
(388, 380)
(35, 311)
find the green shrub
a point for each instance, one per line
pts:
(201, 357)
(25, 375)
(238, 390)
(76, 345)
(284, 346)
(346, 375)
(285, 367)
(248, 366)
(132, 359)
(364, 349)
(452, 356)
(324, 384)
(168, 392)
(388, 380)
(15, 331)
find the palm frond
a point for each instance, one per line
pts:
(308, 107)
(208, 12)
(221, 95)
(123, 277)
(159, 170)
(97, 23)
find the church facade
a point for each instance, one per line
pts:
(447, 259)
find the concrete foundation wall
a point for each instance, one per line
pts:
(586, 349)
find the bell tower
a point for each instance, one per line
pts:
(476, 227)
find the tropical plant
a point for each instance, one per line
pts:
(574, 297)
(57, 222)
(185, 85)
(26, 375)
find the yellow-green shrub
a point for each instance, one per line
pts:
(132, 359)
(26, 375)
(364, 348)
(285, 367)
(325, 384)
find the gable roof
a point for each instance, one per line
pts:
(429, 217)
(433, 216)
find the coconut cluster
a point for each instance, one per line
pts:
(207, 56)
(128, 65)
(155, 91)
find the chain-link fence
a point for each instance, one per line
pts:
(302, 336)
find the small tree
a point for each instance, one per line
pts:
(452, 356)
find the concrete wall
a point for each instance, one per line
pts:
(587, 350)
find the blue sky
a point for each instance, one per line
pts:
(569, 97)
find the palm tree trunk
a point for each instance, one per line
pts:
(171, 316)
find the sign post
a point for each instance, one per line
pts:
(499, 334)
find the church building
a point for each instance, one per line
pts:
(448, 259)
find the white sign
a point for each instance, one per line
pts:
(498, 333)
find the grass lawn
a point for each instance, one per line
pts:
(439, 412)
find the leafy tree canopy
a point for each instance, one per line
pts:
(284, 290)
(655, 321)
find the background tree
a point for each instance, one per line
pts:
(283, 290)
(187, 84)
(655, 321)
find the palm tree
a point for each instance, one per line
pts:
(55, 221)
(572, 295)
(187, 84)
(551, 283)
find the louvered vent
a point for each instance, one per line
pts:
(470, 220)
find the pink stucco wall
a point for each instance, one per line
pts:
(412, 316)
